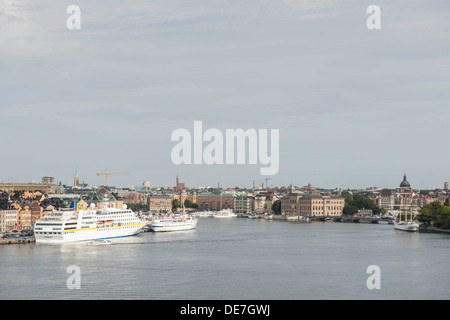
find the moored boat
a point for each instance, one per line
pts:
(225, 213)
(406, 225)
(86, 224)
(175, 222)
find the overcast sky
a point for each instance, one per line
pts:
(355, 107)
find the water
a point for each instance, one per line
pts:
(237, 259)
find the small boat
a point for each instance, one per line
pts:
(98, 242)
(304, 219)
(268, 216)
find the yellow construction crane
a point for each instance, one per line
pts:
(11, 180)
(107, 174)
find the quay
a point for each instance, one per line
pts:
(346, 219)
(18, 240)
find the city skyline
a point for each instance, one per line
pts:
(355, 108)
(77, 179)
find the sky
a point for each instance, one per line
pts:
(354, 107)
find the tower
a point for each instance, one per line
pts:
(180, 185)
(76, 180)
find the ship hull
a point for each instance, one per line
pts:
(173, 226)
(411, 227)
(89, 235)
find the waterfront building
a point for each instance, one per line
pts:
(263, 202)
(183, 196)
(216, 201)
(290, 204)
(24, 218)
(270, 200)
(260, 203)
(387, 199)
(364, 213)
(36, 212)
(243, 204)
(8, 219)
(317, 205)
(159, 203)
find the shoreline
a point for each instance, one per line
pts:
(32, 239)
(18, 240)
(433, 230)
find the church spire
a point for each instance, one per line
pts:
(76, 180)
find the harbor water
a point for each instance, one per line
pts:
(236, 258)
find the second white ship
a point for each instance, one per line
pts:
(176, 222)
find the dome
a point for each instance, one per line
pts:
(405, 183)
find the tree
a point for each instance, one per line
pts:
(357, 201)
(276, 207)
(189, 204)
(435, 214)
(175, 203)
(349, 210)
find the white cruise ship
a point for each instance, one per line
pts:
(86, 225)
(176, 222)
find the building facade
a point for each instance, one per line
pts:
(183, 196)
(243, 204)
(48, 180)
(36, 212)
(215, 202)
(8, 220)
(260, 205)
(24, 218)
(159, 203)
(400, 199)
(290, 204)
(321, 206)
(32, 187)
